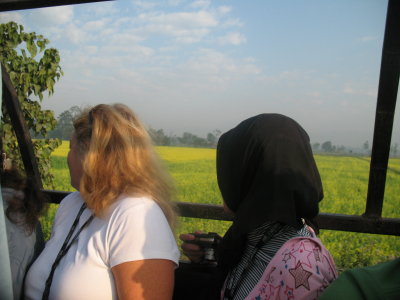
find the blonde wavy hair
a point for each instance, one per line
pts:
(118, 158)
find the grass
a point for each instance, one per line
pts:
(345, 181)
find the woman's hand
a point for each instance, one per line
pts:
(194, 252)
(150, 279)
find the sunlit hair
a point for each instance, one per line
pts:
(118, 158)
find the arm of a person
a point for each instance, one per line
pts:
(144, 279)
(194, 252)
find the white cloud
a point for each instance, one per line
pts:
(185, 27)
(167, 49)
(224, 9)
(315, 94)
(101, 9)
(232, 38)
(137, 52)
(107, 32)
(75, 34)
(95, 25)
(174, 2)
(52, 16)
(250, 60)
(349, 90)
(370, 92)
(90, 49)
(232, 23)
(180, 19)
(365, 39)
(211, 62)
(144, 4)
(191, 36)
(200, 4)
(6, 17)
(125, 38)
(294, 75)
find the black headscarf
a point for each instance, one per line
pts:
(266, 172)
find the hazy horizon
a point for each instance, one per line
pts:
(197, 66)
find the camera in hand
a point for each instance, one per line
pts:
(209, 242)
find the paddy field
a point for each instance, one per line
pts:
(345, 181)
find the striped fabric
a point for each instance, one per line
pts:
(244, 277)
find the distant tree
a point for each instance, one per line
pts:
(217, 133)
(366, 146)
(174, 140)
(30, 77)
(327, 146)
(199, 142)
(187, 139)
(159, 138)
(64, 127)
(315, 146)
(211, 139)
(394, 149)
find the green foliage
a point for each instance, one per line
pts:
(30, 77)
(351, 250)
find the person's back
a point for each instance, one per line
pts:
(376, 282)
(113, 238)
(270, 184)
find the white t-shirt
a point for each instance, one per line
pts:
(133, 229)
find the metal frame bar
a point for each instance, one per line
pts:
(385, 108)
(6, 290)
(6, 5)
(14, 110)
(339, 222)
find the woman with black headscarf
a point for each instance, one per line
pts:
(269, 181)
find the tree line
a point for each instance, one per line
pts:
(64, 129)
(364, 149)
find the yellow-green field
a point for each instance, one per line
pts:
(345, 181)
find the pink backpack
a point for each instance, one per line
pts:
(301, 269)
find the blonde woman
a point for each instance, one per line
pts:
(112, 239)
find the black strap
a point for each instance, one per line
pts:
(229, 293)
(64, 249)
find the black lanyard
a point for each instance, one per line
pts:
(64, 249)
(229, 293)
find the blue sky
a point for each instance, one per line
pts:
(198, 66)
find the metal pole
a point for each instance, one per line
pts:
(385, 107)
(21, 130)
(6, 291)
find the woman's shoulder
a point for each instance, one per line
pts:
(128, 206)
(130, 203)
(72, 199)
(67, 207)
